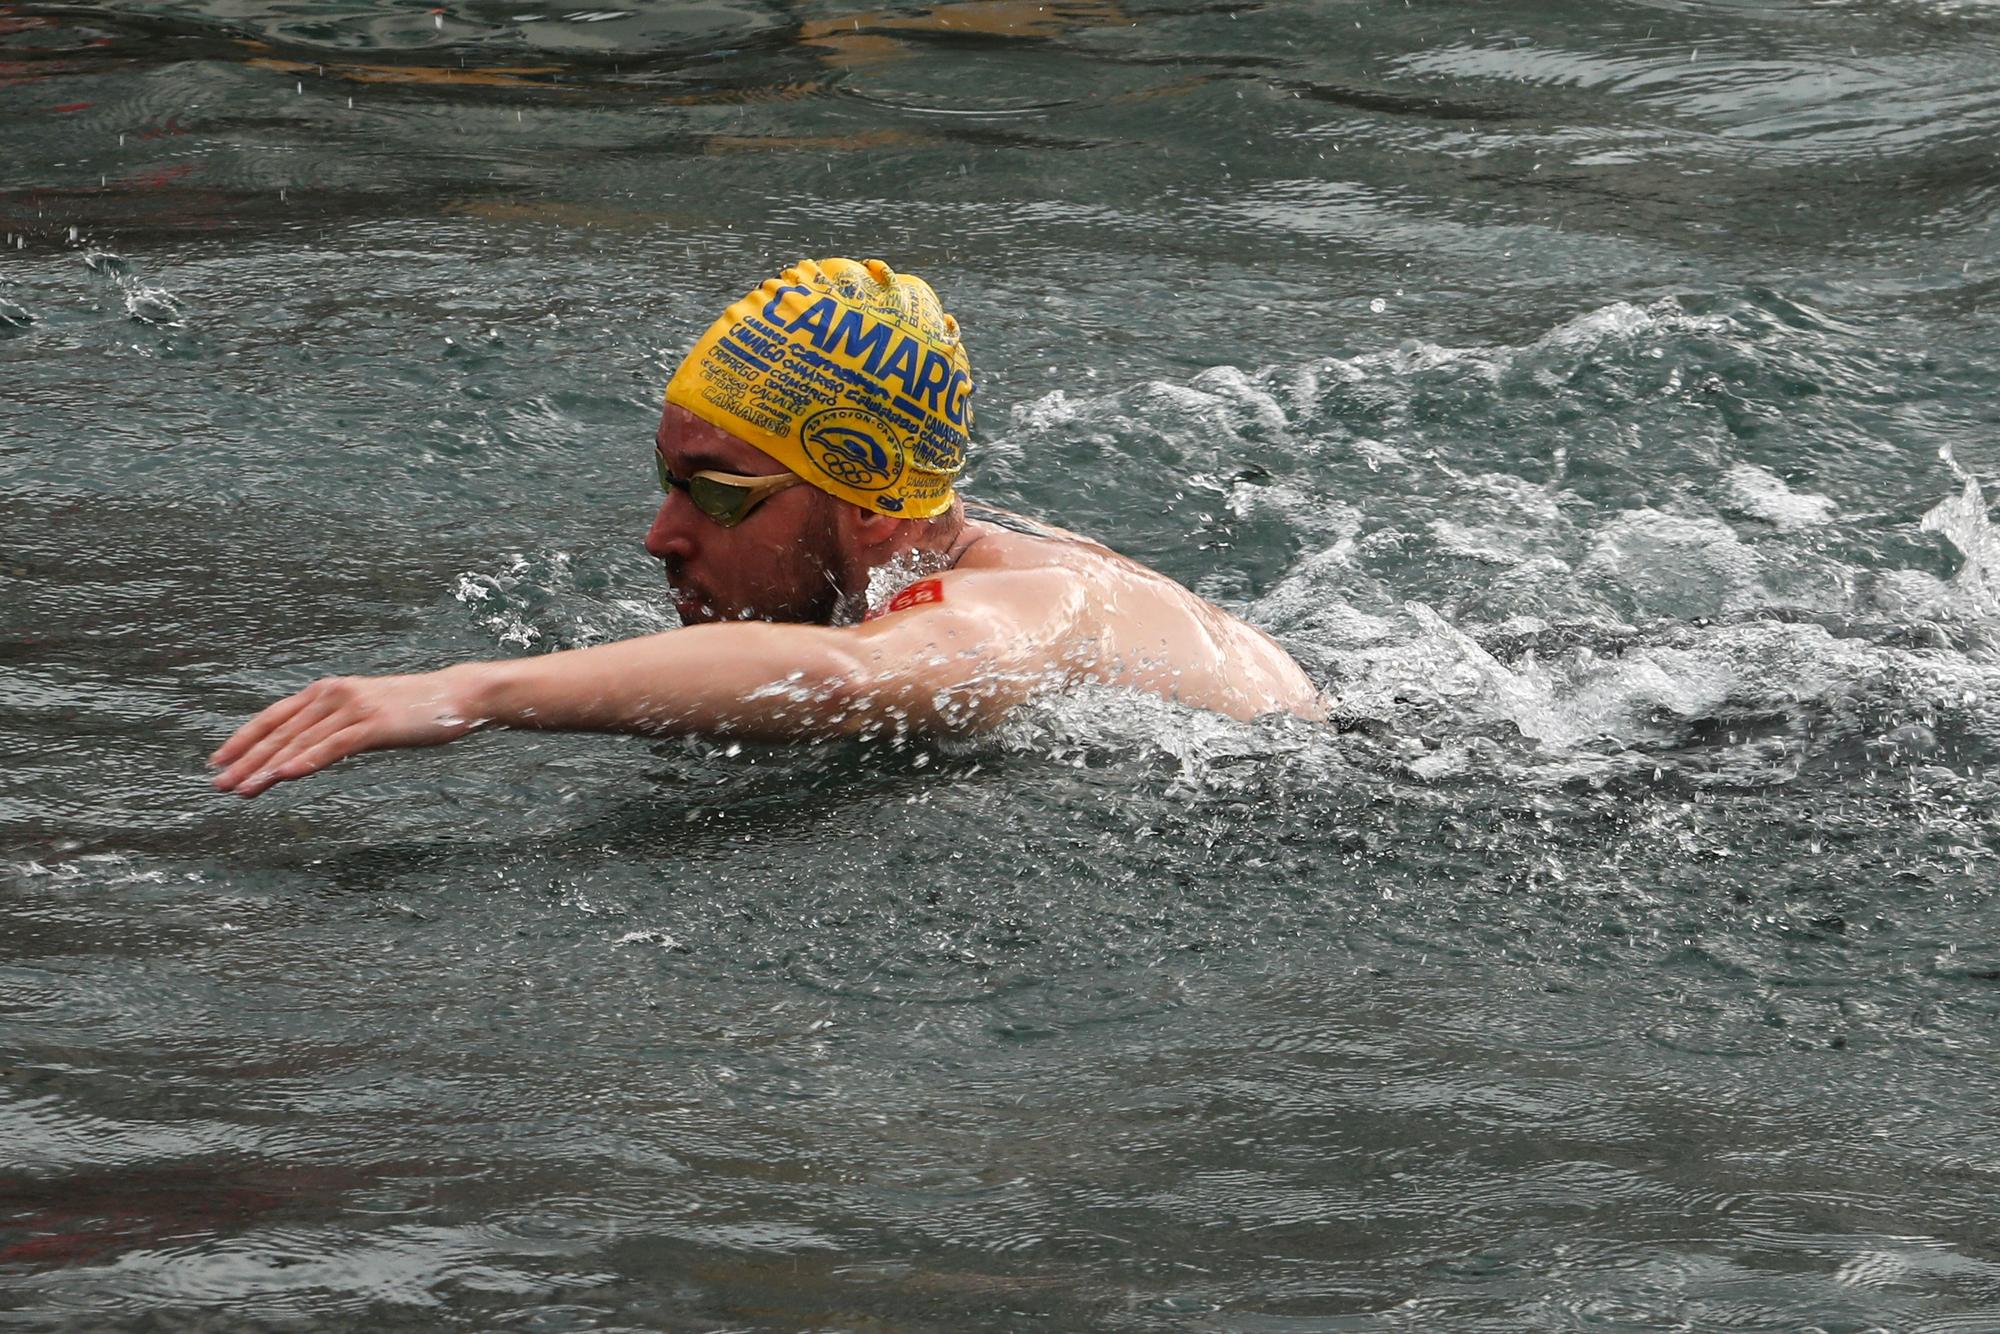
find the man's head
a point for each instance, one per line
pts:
(848, 376)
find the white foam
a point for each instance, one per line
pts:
(154, 305)
(650, 936)
(1961, 520)
(1763, 495)
(1675, 565)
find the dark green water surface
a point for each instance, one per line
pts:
(1595, 396)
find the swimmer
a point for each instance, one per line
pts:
(809, 443)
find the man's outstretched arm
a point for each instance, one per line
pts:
(957, 664)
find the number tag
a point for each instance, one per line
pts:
(919, 594)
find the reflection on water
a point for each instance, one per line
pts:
(1597, 398)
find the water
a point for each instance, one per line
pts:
(1599, 399)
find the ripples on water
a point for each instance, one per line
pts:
(1597, 398)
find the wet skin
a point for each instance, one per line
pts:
(1016, 615)
(782, 562)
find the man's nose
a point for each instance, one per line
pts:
(669, 538)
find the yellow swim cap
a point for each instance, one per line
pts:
(849, 374)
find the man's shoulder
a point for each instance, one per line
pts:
(1008, 573)
(1001, 540)
(1060, 573)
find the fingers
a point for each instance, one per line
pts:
(303, 724)
(298, 763)
(278, 754)
(260, 726)
(337, 717)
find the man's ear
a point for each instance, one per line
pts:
(871, 532)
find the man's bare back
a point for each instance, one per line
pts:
(1149, 632)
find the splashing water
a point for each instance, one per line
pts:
(1623, 954)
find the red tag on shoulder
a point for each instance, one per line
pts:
(916, 595)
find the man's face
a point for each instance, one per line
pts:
(778, 564)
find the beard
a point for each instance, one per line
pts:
(803, 587)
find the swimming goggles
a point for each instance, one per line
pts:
(724, 496)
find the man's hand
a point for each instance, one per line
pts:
(341, 716)
(977, 646)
